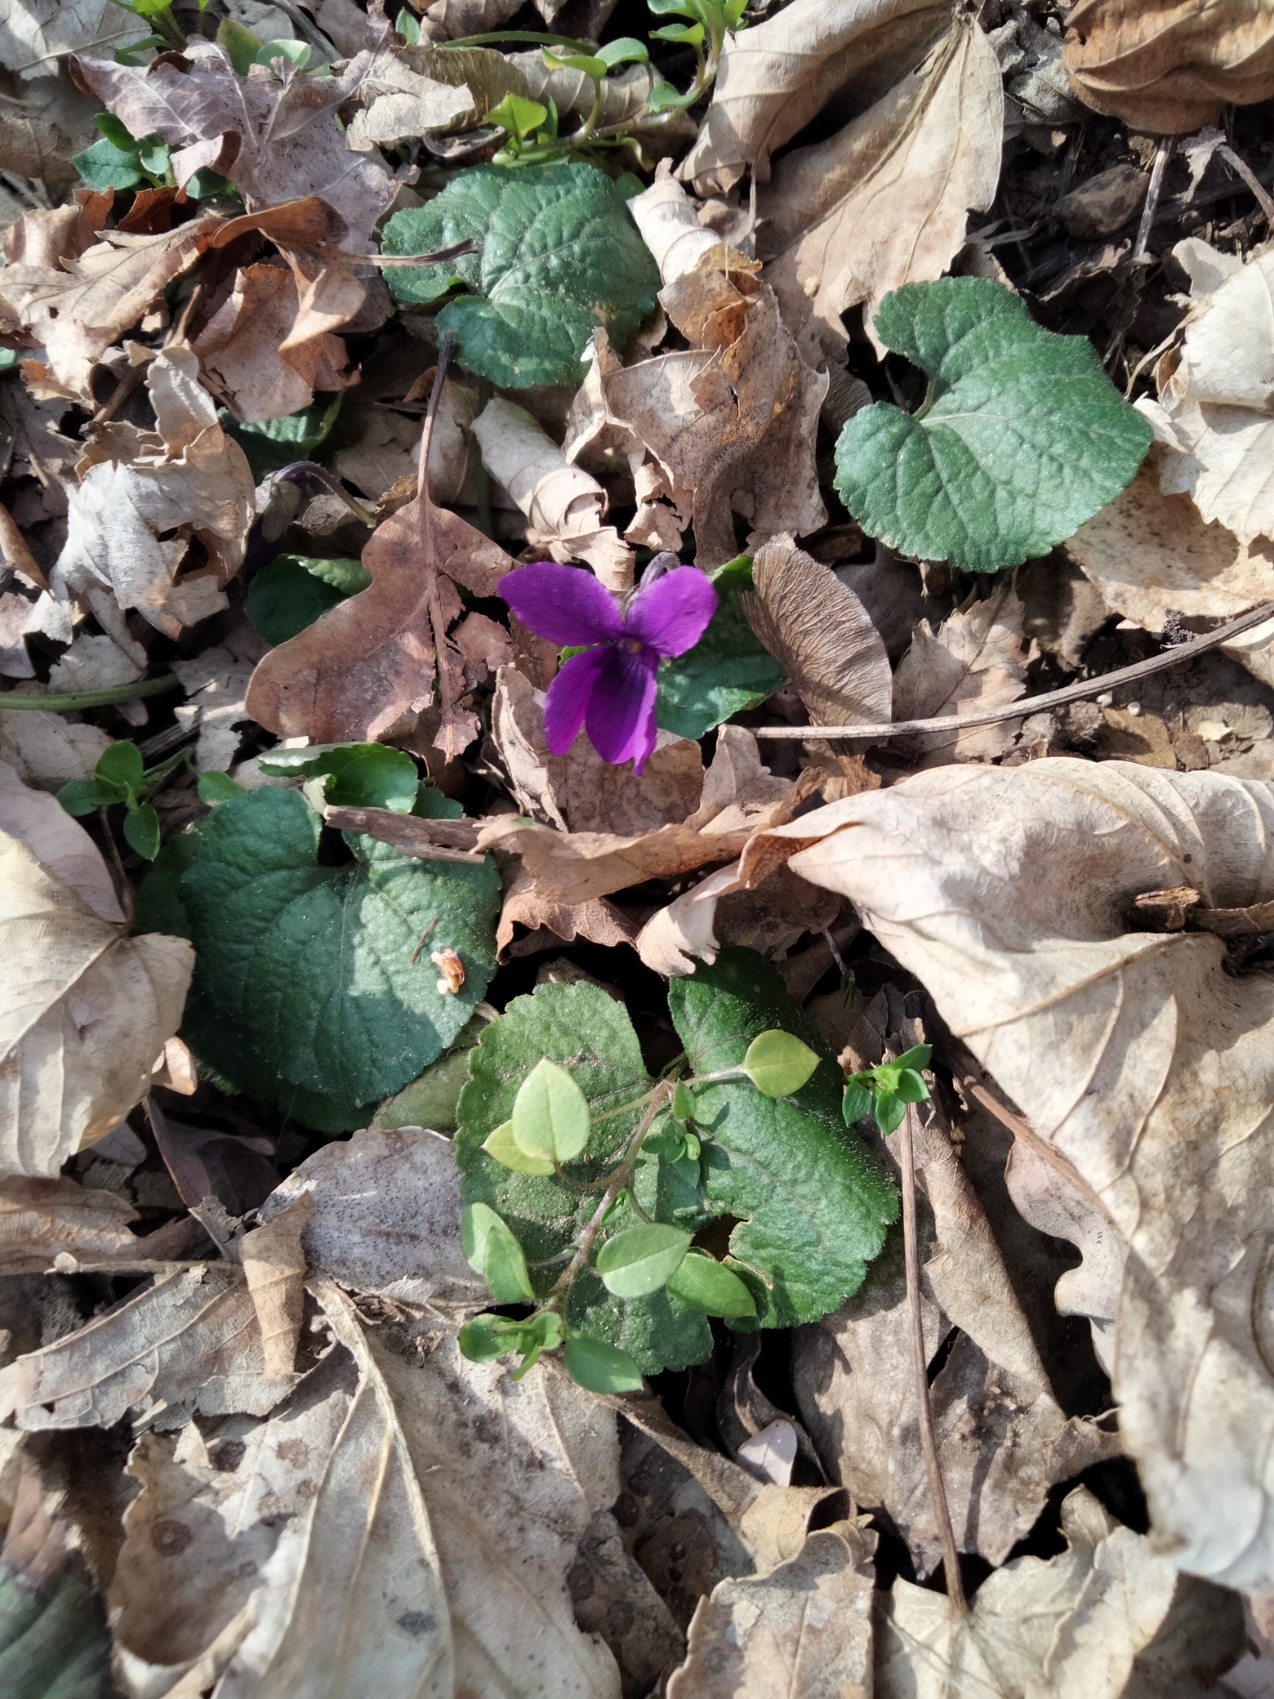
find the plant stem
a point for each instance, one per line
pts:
(920, 1366)
(540, 37)
(64, 704)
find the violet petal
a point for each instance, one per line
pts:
(621, 714)
(568, 697)
(673, 614)
(562, 603)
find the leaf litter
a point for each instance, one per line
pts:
(693, 1121)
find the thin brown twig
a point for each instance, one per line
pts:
(1153, 194)
(1029, 705)
(920, 1367)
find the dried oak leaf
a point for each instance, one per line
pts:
(885, 201)
(142, 496)
(1151, 554)
(84, 1008)
(386, 652)
(775, 76)
(1136, 1054)
(739, 797)
(1169, 66)
(1215, 413)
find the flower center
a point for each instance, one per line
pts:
(635, 644)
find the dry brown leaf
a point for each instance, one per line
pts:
(1214, 409)
(578, 791)
(41, 1220)
(776, 76)
(732, 420)
(1151, 555)
(216, 683)
(722, 909)
(274, 1268)
(386, 1218)
(552, 922)
(400, 103)
(247, 356)
(885, 201)
(75, 300)
(35, 34)
(1169, 66)
(1136, 1054)
(1002, 1439)
(818, 629)
(976, 659)
(1106, 1618)
(144, 495)
(803, 1629)
(564, 505)
(739, 796)
(189, 1342)
(385, 652)
(84, 1008)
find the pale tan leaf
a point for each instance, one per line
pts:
(1169, 66)
(398, 102)
(274, 1268)
(1073, 1627)
(44, 1219)
(189, 1342)
(721, 909)
(1215, 407)
(216, 684)
(976, 659)
(775, 76)
(884, 202)
(1151, 554)
(1006, 892)
(35, 34)
(804, 1629)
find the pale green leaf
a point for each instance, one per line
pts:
(778, 1064)
(707, 1285)
(599, 1367)
(502, 1145)
(550, 1115)
(641, 1259)
(492, 1249)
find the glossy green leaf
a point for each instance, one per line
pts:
(624, 50)
(664, 96)
(599, 1367)
(105, 166)
(889, 1110)
(687, 35)
(683, 1101)
(639, 1260)
(492, 1250)
(911, 1088)
(291, 52)
(856, 1103)
(519, 116)
(917, 1057)
(505, 1149)
(779, 1064)
(285, 597)
(705, 1284)
(272, 444)
(121, 765)
(83, 796)
(557, 254)
(589, 64)
(353, 775)
(141, 830)
(1022, 437)
(726, 671)
(550, 1114)
(487, 1337)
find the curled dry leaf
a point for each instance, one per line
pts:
(805, 1628)
(1214, 409)
(216, 683)
(386, 1218)
(274, 1268)
(739, 797)
(1003, 1441)
(1074, 1626)
(564, 505)
(1147, 1065)
(1151, 554)
(722, 909)
(732, 420)
(399, 102)
(386, 652)
(1169, 66)
(775, 76)
(144, 495)
(885, 201)
(84, 1008)
(976, 659)
(46, 750)
(41, 1220)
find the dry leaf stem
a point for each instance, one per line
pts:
(920, 1365)
(1026, 706)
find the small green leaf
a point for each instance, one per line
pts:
(487, 1337)
(625, 50)
(502, 1145)
(343, 574)
(889, 1110)
(295, 52)
(857, 1102)
(726, 671)
(1023, 436)
(492, 1250)
(141, 829)
(82, 796)
(116, 132)
(153, 157)
(911, 1088)
(587, 64)
(917, 1057)
(354, 775)
(639, 1260)
(407, 25)
(285, 597)
(557, 254)
(217, 787)
(683, 1101)
(687, 35)
(272, 444)
(599, 1367)
(550, 1114)
(520, 117)
(241, 43)
(121, 765)
(778, 1064)
(704, 1284)
(104, 166)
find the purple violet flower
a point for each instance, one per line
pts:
(610, 689)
